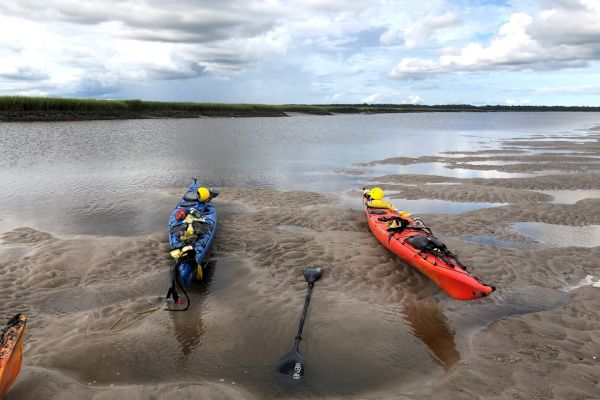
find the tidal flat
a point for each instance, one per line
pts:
(83, 219)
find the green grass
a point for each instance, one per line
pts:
(22, 103)
(47, 108)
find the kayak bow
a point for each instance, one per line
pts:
(12, 337)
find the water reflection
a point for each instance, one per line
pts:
(492, 240)
(64, 173)
(189, 325)
(429, 325)
(515, 299)
(441, 169)
(560, 235)
(353, 199)
(13, 251)
(571, 196)
(436, 206)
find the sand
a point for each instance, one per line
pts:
(377, 329)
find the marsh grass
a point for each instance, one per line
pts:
(22, 103)
(22, 108)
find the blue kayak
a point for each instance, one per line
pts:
(192, 229)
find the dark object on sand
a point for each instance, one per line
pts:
(292, 363)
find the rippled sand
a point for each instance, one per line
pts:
(377, 329)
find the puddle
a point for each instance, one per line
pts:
(507, 301)
(300, 230)
(570, 196)
(587, 281)
(492, 162)
(438, 183)
(499, 152)
(492, 240)
(441, 169)
(13, 251)
(436, 206)
(543, 172)
(560, 235)
(419, 206)
(556, 151)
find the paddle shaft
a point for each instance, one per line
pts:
(303, 317)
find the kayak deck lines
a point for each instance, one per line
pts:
(192, 229)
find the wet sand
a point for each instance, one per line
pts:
(377, 329)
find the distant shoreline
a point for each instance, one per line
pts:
(38, 109)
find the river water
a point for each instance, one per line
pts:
(99, 177)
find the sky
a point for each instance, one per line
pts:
(537, 52)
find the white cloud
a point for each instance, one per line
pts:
(554, 38)
(593, 89)
(295, 50)
(372, 99)
(414, 99)
(69, 42)
(390, 36)
(514, 102)
(391, 98)
(419, 31)
(335, 98)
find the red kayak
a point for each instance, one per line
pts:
(414, 243)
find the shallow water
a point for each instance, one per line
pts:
(587, 281)
(420, 206)
(441, 169)
(435, 206)
(514, 299)
(571, 196)
(95, 176)
(235, 333)
(492, 240)
(560, 235)
(13, 251)
(493, 162)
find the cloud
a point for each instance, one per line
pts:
(125, 40)
(576, 89)
(177, 21)
(296, 50)
(392, 98)
(414, 99)
(181, 39)
(573, 23)
(335, 98)
(14, 72)
(418, 32)
(66, 46)
(514, 102)
(566, 36)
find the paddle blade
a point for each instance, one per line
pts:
(291, 364)
(312, 274)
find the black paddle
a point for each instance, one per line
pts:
(292, 363)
